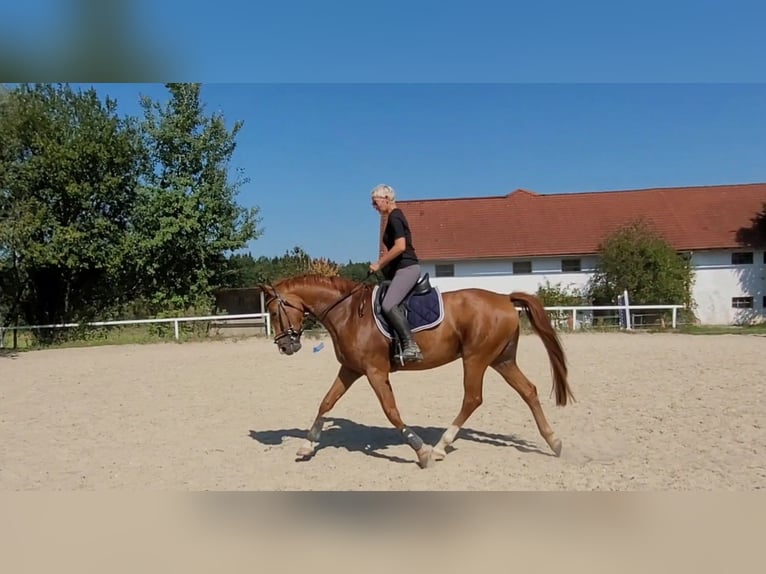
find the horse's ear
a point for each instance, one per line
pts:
(267, 290)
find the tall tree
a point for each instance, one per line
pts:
(247, 271)
(357, 271)
(68, 170)
(187, 220)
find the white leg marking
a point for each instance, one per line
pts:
(440, 450)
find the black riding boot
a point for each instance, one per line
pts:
(397, 320)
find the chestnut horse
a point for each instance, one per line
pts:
(477, 325)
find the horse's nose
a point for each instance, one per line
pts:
(288, 348)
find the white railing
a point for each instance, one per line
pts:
(626, 308)
(175, 320)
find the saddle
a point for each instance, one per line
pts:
(422, 287)
(422, 306)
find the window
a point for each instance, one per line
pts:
(522, 267)
(742, 302)
(742, 258)
(764, 301)
(570, 265)
(764, 257)
(445, 270)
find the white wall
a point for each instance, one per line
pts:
(716, 281)
(497, 275)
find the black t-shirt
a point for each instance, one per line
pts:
(396, 227)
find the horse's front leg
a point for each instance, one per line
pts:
(382, 387)
(340, 385)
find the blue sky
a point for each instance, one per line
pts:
(313, 152)
(408, 41)
(438, 98)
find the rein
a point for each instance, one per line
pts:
(296, 333)
(346, 296)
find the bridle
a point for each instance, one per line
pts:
(291, 332)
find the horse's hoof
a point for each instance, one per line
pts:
(556, 446)
(426, 457)
(304, 453)
(438, 453)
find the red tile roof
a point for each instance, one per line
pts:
(525, 224)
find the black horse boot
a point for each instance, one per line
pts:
(410, 350)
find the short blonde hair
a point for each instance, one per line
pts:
(384, 190)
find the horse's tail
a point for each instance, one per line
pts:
(542, 326)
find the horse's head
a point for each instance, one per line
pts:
(287, 313)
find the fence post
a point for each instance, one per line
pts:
(675, 314)
(175, 328)
(627, 309)
(574, 319)
(2, 338)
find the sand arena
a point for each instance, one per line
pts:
(653, 412)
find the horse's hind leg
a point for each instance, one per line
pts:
(473, 383)
(512, 374)
(340, 385)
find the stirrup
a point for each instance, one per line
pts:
(410, 353)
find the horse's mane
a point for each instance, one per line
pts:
(309, 279)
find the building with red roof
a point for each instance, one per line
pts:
(522, 239)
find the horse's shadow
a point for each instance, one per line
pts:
(370, 440)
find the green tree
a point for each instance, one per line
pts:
(637, 259)
(247, 271)
(558, 295)
(243, 271)
(68, 171)
(292, 263)
(357, 271)
(187, 219)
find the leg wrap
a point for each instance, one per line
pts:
(412, 439)
(315, 431)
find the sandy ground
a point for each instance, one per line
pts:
(653, 412)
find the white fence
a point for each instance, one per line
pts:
(574, 310)
(175, 320)
(624, 308)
